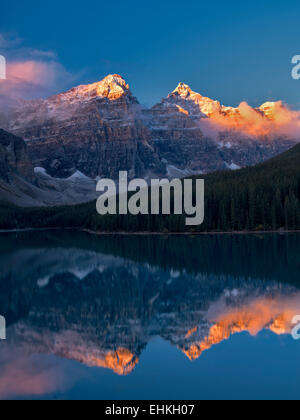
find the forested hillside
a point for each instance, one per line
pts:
(264, 197)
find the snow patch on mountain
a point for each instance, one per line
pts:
(112, 87)
(233, 166)
(174, 172)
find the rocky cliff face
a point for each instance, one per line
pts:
(198, 134)
(95, 129)
(14, 158)
(100, 129)
(20, 184)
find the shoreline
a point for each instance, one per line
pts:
(262, 232)
(120, 233)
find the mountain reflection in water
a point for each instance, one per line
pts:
(100, 300)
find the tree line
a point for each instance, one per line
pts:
(264, 197)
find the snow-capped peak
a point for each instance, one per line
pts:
(112, 87)
(183, 90)
(193, 102)
(269, 109)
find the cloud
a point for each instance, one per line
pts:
(271, 119)
(8, 42)
(32, 79)
(28, 378)
(31, 73)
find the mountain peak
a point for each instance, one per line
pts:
(183, 90)
(269, 109)
(192, 102)
(113, 80)
(111, 87)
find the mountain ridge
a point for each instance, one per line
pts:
(95, 131)
(101, 128)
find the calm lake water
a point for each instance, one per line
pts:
(149, 317)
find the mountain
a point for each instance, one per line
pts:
(23, 185)
(71, 297)
(16, 171)
(100, 129)
(14, 159)
(201, 135)
(95, 129)
(263, 197)
(202, 320)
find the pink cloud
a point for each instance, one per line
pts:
(31, 73)
(36, 72)
(26, 377)
(32, 79)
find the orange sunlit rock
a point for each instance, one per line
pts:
(183, 111)
(271, 118)
(121, 361)
(262, 314)
(191, 332)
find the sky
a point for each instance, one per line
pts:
(232, 51)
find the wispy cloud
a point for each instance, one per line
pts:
(31, 73)
(9, 41)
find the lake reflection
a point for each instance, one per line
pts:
(149, 317)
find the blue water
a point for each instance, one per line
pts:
(149, 317)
